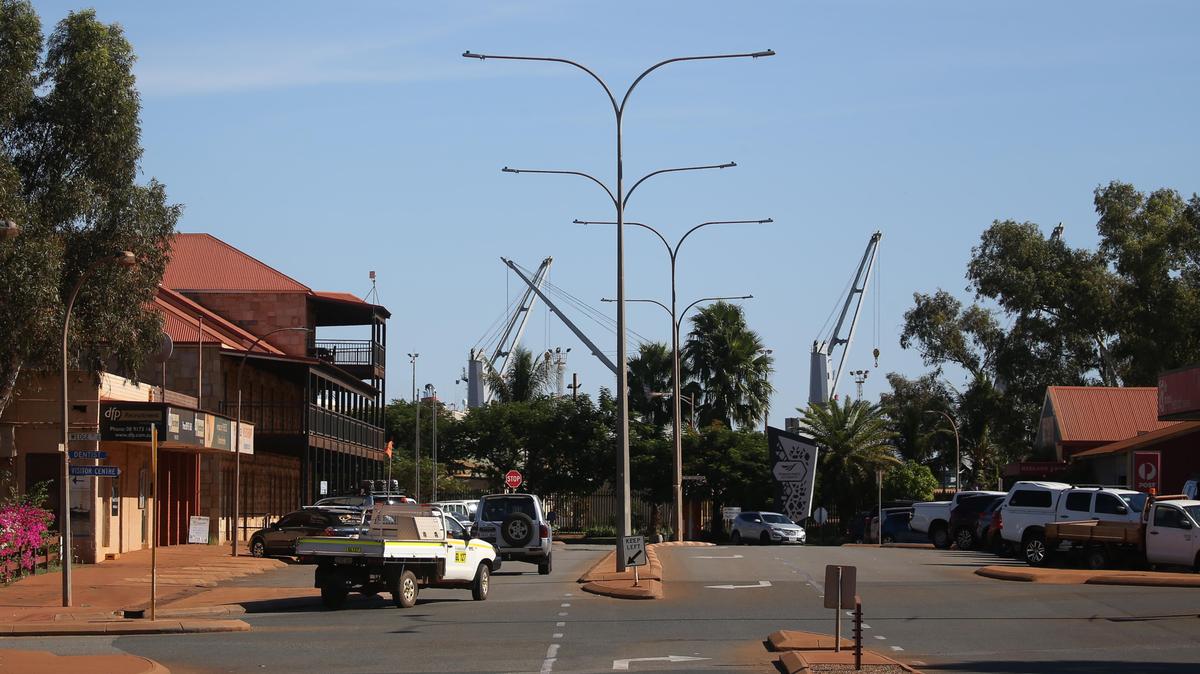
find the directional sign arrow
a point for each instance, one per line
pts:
(623, 665)
(717, 557)
(761, 583)
(633, 557)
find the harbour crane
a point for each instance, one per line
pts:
(821, 382)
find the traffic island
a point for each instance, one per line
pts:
(119, 627)
(42, 662)
(604, 579)
(812, 652)
(1030, 574)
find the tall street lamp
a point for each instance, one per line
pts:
(676, 412)
(237, 442)
(431, 393)
(676, 398)
(957, 454)
(619, 199)
(412, 358)
(124, 259)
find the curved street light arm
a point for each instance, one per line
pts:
(636, 224)
(565, 173)
(656, 66)
(708, 299)
(717, 222)
(672, 170)
(664, 307)
(549, 59)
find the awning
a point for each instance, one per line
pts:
(178, 427)
(1141, 441)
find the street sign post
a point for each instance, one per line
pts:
(87, 454)
(95, 471)
(840, 588)
(513, 479)
(633, 553)
(84, 437)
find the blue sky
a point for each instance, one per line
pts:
(333, 139)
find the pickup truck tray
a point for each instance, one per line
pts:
(333, 546)
(1095, 531)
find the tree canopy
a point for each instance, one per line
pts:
(727, 368)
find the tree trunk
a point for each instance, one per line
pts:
(10, 368)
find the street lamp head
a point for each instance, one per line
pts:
(468, 55)
(746, 297)
(126, 259)
(767, 221)
(606, 299)
(757, 54)
(729, 164)
(509, 170)
(9, 229)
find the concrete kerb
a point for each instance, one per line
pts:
(803, 649)
(43, 662)
(1089, 577)
(162, 626)
(619, 584)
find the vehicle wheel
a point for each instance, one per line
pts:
(736, 537)
(1095, 558)
(764, 538)
(964, 538)
(258, 548)
(544, 567)
(1034, 550)
(939, 537)
(517, 529)
(333, 592)
(887, 538)
(404, 591)
(483, 578)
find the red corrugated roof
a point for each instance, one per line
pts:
(1104, 414)
(204, 262)
(341, 297)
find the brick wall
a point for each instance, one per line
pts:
(263, 312)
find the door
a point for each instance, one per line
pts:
(458, 559)
(1170, 537)
(281, 538)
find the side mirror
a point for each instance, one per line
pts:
(1184, 524)
(1122, 510)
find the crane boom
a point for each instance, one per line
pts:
(478, 392)
(821, 385)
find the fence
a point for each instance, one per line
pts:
(575, 512)
(10, 566)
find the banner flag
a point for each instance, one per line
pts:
(794, 467)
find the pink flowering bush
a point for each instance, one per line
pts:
(24, 530)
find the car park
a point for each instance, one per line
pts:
(765, 528)
(518, 528)
(895, 527)
(933, 518)
(279, 539)
(1031, 505)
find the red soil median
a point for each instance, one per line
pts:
(604, 579)
(1089, 577)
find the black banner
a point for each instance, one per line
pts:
(794, 469)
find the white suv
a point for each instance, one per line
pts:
(516, 525)
(1029, 506)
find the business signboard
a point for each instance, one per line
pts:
(794, 467)
(1147, 471)
(130, 422)
(1179, 395)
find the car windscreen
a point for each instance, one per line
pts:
(496, 509)
(1194, 511)
(772, 518)
(1136, 501)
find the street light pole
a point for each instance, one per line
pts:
(676, 411)
(432, 395)
(124, 259)
(957, 454)
(417, 432)
(619, 199)
(237, 442)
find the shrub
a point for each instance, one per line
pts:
(24, 529)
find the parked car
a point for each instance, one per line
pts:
(1029, 506)
(279, 539)
(987, 531)
(362, 501)
(517, 526)
(895, 527)
(964, 519)
(1164, 534)
(463, 511)
(766, 528)
(933, 518)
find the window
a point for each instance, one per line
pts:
(1137, 502)
(1079, 501)
(1108, 504)
(1029, 498)
(453, 528)
(292, 520)
(744, 517)
(1168, 517)
(771, 518)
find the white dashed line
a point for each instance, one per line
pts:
(896, 648)
(551, 656)
(556, 635)
(561, 614)
(560, 624)
(866, 626)
(880, 638)
(565, 605)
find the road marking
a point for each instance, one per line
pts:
(565, 605)
(880, 638)
(866, 626)
(568, 595)
(551, 656)
(897, 648)
(850, 613)
(718, 557)
(761, 583)
(623, 665)
(919, 663)
(562, 613)
(560, 624)
(556, 635)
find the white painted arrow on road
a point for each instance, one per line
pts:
(718, 557)
(623, 665)
(761, 583)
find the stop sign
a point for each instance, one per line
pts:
(513, 479)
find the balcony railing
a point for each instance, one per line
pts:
(349, 352)
(294, 419)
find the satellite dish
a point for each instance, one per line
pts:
(166, 347)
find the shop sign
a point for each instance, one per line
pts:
(220, 434)
(95, 471)
(1147, 472)
(181, 426)
(130, 422)
(81, 454)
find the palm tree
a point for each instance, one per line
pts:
(528, 377)
(650, 374)
(727, 367)
(854, 442)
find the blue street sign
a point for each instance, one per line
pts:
(91, 454)
(95, 471)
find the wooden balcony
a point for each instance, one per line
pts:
(362, 358)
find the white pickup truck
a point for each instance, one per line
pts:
(933, 517)
(1166, 533)
(406, 547)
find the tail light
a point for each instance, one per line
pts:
(544, 531)
(329, 531)
(997, 520)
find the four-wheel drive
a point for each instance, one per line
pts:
(933, 518)
(1167, 533)
(517, 526)
(407, 547)
(1031, 505)
(965, 517)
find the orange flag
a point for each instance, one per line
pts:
(388, 449)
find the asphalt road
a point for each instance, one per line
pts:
(923, 606)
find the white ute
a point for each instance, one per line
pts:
(407, 547)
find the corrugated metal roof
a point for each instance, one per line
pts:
(1173, 430)
(1104, 414)
(204, 262)
(341, 297)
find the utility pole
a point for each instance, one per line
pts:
(574, 385)
(416, 433)
(433, 404)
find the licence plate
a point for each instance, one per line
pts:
(343, 560)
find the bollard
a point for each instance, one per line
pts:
(858, 615)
